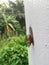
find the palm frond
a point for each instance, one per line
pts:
(11, 26)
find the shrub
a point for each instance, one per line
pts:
(14, 52)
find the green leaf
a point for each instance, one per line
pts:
(11, 26)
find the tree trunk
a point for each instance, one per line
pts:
(37, 16)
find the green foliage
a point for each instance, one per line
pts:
(14, 52)
(17, 6)
(8, 22)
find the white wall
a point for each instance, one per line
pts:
(37, 16)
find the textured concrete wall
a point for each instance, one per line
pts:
(37, 16)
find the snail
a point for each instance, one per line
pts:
(29, 38)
